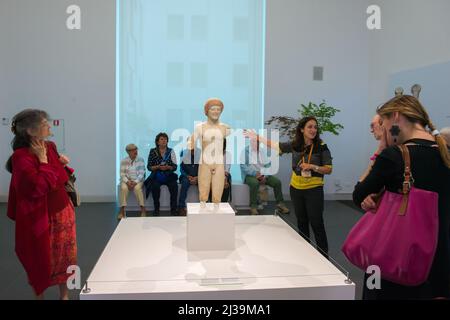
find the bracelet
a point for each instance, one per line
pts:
(374, 157)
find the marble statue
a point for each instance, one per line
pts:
(211, 134)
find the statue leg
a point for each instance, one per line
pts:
(204, 182)
(218, 182)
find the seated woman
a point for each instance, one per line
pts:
(162, 163)
(252, 166)
(132, 175)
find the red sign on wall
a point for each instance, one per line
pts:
(58, 135)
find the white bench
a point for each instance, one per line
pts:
(240, 197)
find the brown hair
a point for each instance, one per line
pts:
(161, 135)
(299, 141)
(415, 112)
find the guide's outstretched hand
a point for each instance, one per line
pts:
(250, 133)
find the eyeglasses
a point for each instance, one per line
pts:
(131, 149)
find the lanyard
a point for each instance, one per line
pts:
(310, 154)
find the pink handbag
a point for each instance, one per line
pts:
(400, 237)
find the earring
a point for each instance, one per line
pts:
(395, 131)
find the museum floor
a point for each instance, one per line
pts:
(97, 221)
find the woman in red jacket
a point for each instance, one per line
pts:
(39, 205)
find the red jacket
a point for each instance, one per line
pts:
(36, 191)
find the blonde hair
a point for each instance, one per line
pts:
(445, 132)
(415, 112)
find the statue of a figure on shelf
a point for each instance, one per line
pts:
(415, 90)
(399, 91)
(211, 133)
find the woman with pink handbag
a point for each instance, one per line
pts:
(406, 196)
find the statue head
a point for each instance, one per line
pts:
(398, 91)
(415, 90)
(213, 108)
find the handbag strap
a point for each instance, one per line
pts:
(408, 179)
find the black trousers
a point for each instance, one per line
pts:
(308, 206)
(226, 195)
(156, 191)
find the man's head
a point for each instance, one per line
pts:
(445, 133)
(376, 127)
(132, 151)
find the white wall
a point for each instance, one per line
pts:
(415, 33)
(333, 34)
(71, 74)
(359, 65)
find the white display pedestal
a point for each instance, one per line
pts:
(210, 228)
(147, 258)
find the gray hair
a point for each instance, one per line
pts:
(20, 124)
(445, 133)
(130, 147)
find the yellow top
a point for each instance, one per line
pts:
(304, 183)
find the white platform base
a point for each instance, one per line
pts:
(210, 228)
(147, 258)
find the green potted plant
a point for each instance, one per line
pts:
(322, 112)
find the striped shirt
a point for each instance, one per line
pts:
(132, 170)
